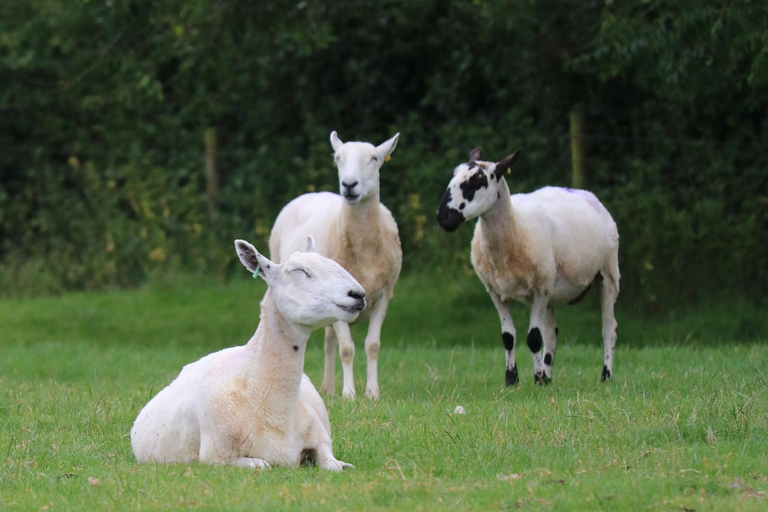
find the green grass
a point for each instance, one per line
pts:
(684, 425)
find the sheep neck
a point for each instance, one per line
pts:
(360, 225)
(499, 225)
(276, 362)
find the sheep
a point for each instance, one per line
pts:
(252, 405)
(544, 248)
(357, 231)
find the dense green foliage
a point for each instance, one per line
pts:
(683, 425)
(103, 106)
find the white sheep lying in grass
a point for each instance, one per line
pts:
(252, 405)
(357, 231)
(544, 248)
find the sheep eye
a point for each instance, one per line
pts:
(306, 274)
(374, 159)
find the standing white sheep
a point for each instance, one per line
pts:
(357, 231)
(544, 248)
(252, 405)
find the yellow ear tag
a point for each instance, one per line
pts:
(388, 158)
(509, 171)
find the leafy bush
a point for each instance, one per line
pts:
(103, 107)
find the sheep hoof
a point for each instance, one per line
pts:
(336, 465)
(606, 374)
(511, 377)
(253, 463)
(542, 379)
(373, 394)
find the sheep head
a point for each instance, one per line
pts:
(473, 190)
(309, 289)
(359, 164)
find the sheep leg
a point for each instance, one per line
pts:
(373, 344)
(212, 452)
(326, 460)
(347, 352)
(610, 292)
(508, 337)
(329, 378)
(250, 462)
(536, 338)
(550, 343)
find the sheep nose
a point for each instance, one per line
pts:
(349, 186)
(360, 298)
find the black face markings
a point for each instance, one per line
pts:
(548, 359)
(475, 182)
(462, 205)
(606, 374)
(509, 340)
(295, 348)
(534, 340)
(448, 218)
(511, 376)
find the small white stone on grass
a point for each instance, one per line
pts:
(459, 410)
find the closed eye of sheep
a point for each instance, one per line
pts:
(544, 248)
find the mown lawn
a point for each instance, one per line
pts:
(684, 425)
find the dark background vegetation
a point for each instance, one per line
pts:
(103, 106)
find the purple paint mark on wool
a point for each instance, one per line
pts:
(588, 196)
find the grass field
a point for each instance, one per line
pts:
(683, 426)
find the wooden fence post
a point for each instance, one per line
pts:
(212, 176)
(577, 148)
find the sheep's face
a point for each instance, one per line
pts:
(316, 291)
(474, 189)
(358, 164)
(309, 289)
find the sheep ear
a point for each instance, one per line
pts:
(254, 261)
(311, 246)
(476, 154)
(385, 149)
(504, 165)
(336, 141)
